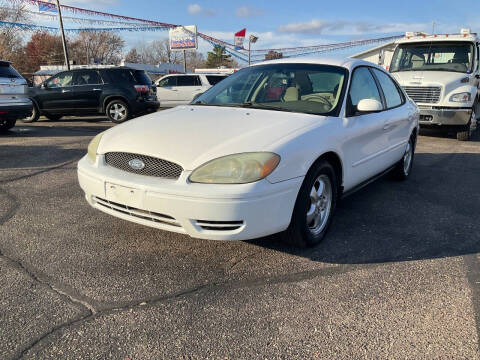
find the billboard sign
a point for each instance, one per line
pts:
(183, 38)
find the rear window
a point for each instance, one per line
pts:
(142, 78)
(121, 76)
(7, 71)
(215, 79)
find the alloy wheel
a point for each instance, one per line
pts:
(320, 204)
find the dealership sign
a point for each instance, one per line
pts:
(183, 38)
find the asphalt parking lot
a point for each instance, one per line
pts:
(397, 277)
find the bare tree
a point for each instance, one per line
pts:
(11, 39)
(97, 47)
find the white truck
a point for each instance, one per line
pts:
(441, 74)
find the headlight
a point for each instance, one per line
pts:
(236, 169)
(93, 146)
(461, 97)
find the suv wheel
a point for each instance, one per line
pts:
(117, 111)
(314, 208)
(34, 117)
(6, 124)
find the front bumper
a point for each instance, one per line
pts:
(205, 211)
(445, 116)
(16, 111)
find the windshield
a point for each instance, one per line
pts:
(433, 56)
(305, 88)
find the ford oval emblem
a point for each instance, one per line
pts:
(136, 164)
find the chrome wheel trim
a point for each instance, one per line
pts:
(320, 204)
(117, 112)
(407, 158)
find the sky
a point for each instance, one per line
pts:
(287, 23)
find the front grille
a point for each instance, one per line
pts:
(138, 213)
(424, 94)
(153, 166)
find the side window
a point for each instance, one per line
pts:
(363, 87)
(188, 81)
(215, 79)
(393, 97)
(87, 77)
(122, 76)
(61, 80)
(168, 81)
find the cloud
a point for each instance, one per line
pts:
(248, 12)
(347, 27)
(196, 10)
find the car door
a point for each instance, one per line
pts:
(188, 86)
(56, 95)
(87, 88)
(167, 92)
(398, 117)
(365, 144)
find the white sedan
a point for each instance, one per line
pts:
(270, 149)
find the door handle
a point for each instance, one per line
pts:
(65, 91)
(97, 89)
(174, 90)
(388, 126)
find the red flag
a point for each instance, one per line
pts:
(239, 38)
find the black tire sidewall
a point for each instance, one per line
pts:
(6, 125)
(298, 231)
(110, 104)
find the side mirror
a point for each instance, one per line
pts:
(369, 106)
(477, 76)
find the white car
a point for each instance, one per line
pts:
(269, 149)
(181, 89)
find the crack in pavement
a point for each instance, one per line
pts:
(203, 289)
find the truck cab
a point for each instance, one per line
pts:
(441, 74)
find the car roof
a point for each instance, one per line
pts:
(347, 63)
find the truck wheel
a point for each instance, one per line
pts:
(34, 117)
(470, 128)
(314, 208)
(6, 124)
(117, 111)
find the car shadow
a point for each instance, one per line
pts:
(44, 130)
(434, 214)
(441, 133)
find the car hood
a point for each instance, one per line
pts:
(193, 135)
(427, 78)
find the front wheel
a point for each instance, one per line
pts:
(314, 208)
(6, 124)
(117, 111)
(466, 134)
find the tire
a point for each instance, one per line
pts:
(309, 222)
(404, 167)
(34, 117)
(117, 111)
(6, 124)
(466, 134)
(53, 117)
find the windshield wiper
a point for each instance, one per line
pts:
(252, 105)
